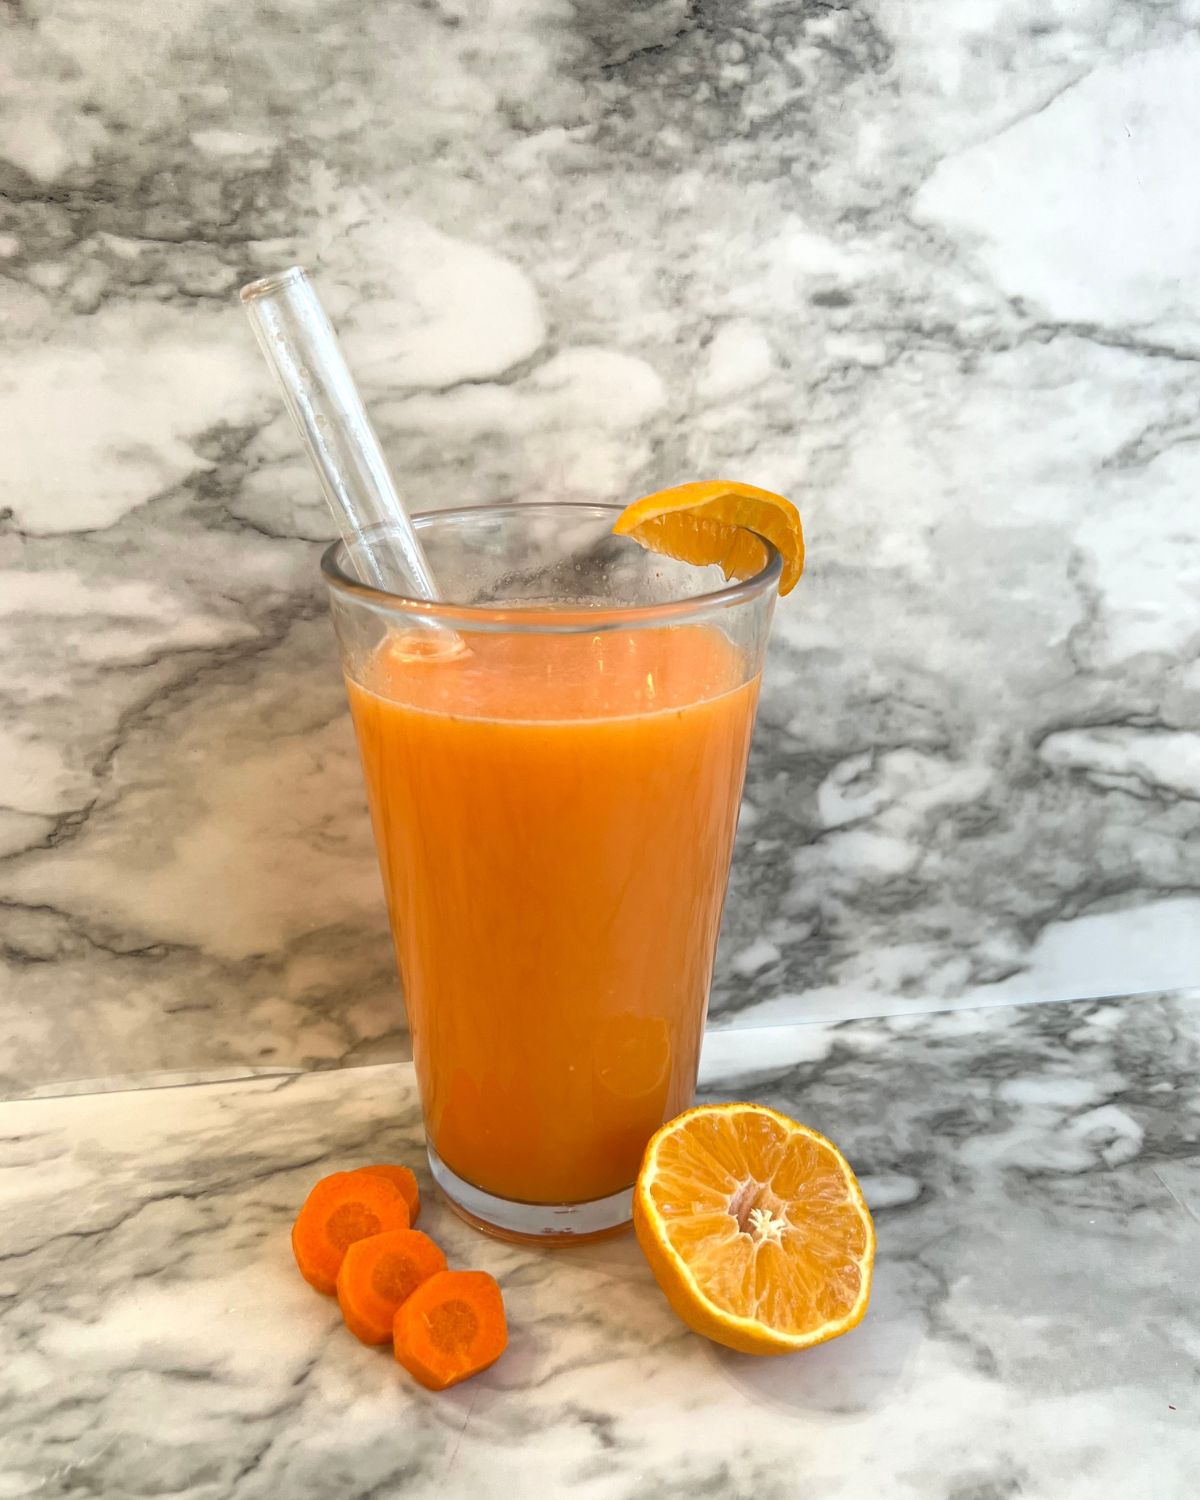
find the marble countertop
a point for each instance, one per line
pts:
(1034, 1331)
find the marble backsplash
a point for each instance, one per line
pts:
(926, 269)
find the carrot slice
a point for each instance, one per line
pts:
(379, 1274)
(341, 1209)
(451, 1328)
(405, 1180)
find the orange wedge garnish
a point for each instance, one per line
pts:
(719, 521)
(755, 1228)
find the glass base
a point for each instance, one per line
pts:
(533, 1223)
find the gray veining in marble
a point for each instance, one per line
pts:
(929, 269)
(1034, 1331)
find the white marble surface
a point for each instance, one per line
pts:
(927, 268)
(1034, 1331)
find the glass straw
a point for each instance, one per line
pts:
(302, 349)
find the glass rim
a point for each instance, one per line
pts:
(538, 617)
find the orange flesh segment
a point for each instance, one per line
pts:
(719, 521)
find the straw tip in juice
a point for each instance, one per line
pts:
(435, 646)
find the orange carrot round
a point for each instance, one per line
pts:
(341, 1209)
(379, 1274)
(405, 1180)
(451, 1328)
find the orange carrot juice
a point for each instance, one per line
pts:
(554, 816)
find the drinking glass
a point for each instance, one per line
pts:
(554, 756)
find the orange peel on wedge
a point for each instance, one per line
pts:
(718, 521)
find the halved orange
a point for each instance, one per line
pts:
(719, 521)
(755, 1228)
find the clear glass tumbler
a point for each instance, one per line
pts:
(554, 761)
